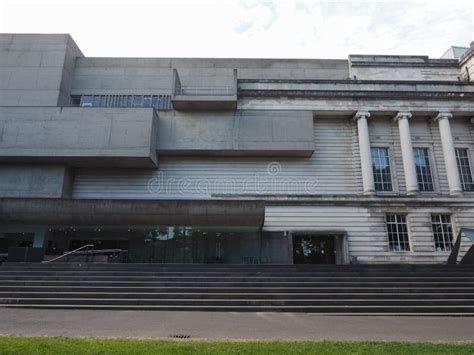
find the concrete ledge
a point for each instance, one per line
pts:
(242, 213)
(79, 136)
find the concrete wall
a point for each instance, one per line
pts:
(154, 75)
(256, 133)
(79, 136)
(333, 169)
(36, 70)
(375, 67)
(41, 181)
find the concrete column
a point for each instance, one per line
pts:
(407, 152)
(449, 154)
(38, 239)
(365, 156)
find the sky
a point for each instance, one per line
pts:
(247, 28)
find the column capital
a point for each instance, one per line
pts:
(403, 114)
(361, 114)
(443, 115)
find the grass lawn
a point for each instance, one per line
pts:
(62, 345)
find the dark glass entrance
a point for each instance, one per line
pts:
(313, 249)
(162, 244)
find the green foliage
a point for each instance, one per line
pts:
(83, 346)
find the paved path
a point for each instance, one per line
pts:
(230, 325)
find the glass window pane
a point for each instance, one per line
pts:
(464, 168)
(147, 101)
(381, 169)
(87, 101)
(137, 101)
(397, 230)
(442, 232)
(96, 102)
(423, 169)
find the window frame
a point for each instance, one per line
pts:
(453, 234)
(391, 165)
(468, 157)
(431, 168)
(408, 231)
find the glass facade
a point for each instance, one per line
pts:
(161, 244)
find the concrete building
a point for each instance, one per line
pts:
(364, 160)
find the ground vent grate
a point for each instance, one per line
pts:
(180, 336)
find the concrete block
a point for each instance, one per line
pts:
(259, 133)
(78, 136)
(35, 181)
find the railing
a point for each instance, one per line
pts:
(179, 89)
(88, 248)
(205, 91)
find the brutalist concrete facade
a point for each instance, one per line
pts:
(283, 154)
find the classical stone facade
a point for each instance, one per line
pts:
(365, 160)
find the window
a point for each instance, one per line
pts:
(159, 102)
(137, 101)
(75, 101)
(381, 168)
(147, 101)
(96, 102)
(423, 169)
(442, 232)
(87, 101)
(397, 232)
(464, 168)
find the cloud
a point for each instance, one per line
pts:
(255, 16)
(248, 28)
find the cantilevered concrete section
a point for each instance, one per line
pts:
(79, 136)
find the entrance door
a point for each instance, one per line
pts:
(313, 249)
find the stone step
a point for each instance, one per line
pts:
(328, 289)
(204, 283)
(222, 295)
(236, 274)
(231, 267)
(260, 290)
(244, 302)
(353, 310)
(230, 278)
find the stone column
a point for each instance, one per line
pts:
(407, 152)
(365, 156)
(449, 154)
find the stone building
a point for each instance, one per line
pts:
(280, 161)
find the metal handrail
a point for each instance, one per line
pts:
(69, 253)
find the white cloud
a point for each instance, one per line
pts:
(247, 28)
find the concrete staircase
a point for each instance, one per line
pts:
(326, 289)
